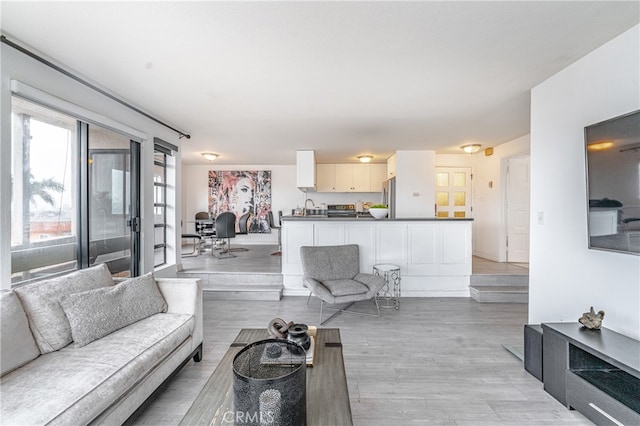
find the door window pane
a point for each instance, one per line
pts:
(442, 179)
(459, 179)
(43, 192)
(442, 198)
(459, 198)
(109, 200)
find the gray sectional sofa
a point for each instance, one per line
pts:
(81, 348)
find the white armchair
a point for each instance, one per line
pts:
(332, 274)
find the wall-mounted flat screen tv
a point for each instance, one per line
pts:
(613, 184)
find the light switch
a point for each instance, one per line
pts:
(540, 218)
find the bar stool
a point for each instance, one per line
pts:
(389, 294)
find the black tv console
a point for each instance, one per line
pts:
(596, 372)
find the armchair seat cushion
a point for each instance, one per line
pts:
(345, 287)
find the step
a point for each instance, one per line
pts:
(510, 280)
(226, 278)
(239, 285)
(244, 292)
(499, 294)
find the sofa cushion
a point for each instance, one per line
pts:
(17, 346)
(95, 313)
(41, 302)
(74, 385)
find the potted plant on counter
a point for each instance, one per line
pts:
(378, 211)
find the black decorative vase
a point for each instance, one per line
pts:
(298, 334)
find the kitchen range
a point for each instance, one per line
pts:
(341, 210)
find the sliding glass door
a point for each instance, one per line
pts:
(113, 210)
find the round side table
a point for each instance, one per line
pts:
(389, 294)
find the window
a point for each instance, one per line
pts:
(75, 195)
(160, 208)
(162, 166)
(44, 181)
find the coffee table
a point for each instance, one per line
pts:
(327, 393)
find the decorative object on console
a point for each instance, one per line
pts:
(279, 328)
(378, 211)
(301, 334)
(269, 384)
(591, 320)
(298, 334)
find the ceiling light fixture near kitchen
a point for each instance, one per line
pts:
(365, 158)
(210, 156)
(471, 148)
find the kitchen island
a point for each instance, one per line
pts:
(434, 254)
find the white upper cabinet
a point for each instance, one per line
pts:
(391, 166)
(350, 177)
(326, 177)
(306, 170)
(378, 175)
(353, 178)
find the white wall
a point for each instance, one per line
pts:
(33, 73)
(566, 278)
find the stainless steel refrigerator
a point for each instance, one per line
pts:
(389, 196)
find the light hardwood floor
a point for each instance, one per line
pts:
(436, 361)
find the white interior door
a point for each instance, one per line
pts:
(518, 210)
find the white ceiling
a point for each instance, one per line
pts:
(256, 81)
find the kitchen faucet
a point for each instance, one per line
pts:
(305, 204)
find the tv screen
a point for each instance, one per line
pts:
(613, 183)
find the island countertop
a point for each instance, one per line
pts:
(360, 218)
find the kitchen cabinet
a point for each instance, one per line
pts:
(353, 178)
(391, 166)
(325, 177)
(305, 170)
(350, 177)
(378, 175)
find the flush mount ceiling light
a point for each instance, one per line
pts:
(365, 158)
(210, 156)
(471, 148)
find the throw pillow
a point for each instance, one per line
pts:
(96, 313)
(41, 302)
(17, 346)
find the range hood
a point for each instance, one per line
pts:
(306, 170)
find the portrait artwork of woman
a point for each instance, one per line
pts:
(242, 192)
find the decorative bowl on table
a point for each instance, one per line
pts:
(378, 212)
